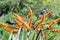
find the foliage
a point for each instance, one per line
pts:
(21, 8)
(28, 31)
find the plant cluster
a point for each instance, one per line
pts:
(22, 30)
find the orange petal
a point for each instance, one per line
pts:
(42, 18)
(15, 30)
(24, 19)
(56, 19)
(50, 27)
(20, 20)
(37, 31)
(8, 30)
(41, 26)
(2, 24)
(56, 30)
(17, 16)
(17, 26)
(52, 21)
(45, 36)
(30, 11)
(40, 21)
(11, 30)
(30, 23)
(47, 14)
(18, 23)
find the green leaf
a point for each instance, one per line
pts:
(24, 34)
(35, 35)
(31, 35)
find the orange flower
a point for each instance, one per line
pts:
(50, 27)
(30, 11)
(56, 30)
(6, 25)
(24, 19)
(2, 24)
(47, 14)
(56, 19)
(27, 26)
(15, 30)
(45, 36)
(20, 20)
(42, 18)
(18, 23)
(51, 22)
(38, 30)
(17, 26)
(30, 14)
(10, 30)
(41, 26)
(17, 16)
(40, 21)
(30, 23)
(6, 29)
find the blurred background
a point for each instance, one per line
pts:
(8, 7)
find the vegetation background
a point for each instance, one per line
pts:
(20, 7)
